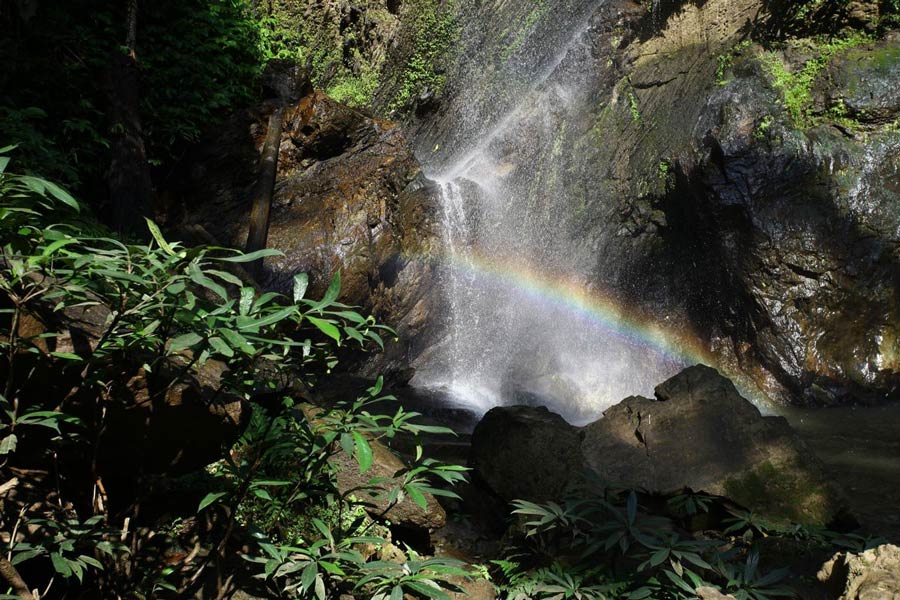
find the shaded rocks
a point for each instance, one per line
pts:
(525, 452)
(174, 420)
(349, 196)
(711, 593)
(870, 575)
(385, 467)
(698, 433)
(155, 427)
(863, 82)
(701, 434)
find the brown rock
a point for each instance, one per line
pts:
(525, 452)
(476, 589)
(710, 593)
(386, 465)
(171, 430)
(701, 434)
(349, 197)
(870, 575)
(698, 433)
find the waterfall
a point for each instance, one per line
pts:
(533, 314)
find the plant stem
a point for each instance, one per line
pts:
(9, 573)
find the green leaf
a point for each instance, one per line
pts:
(320, 587)
(427, 590)
(226, 277)
(397, 593)
(237, 341)
(244, 258)
(301, 282)
(363, 452)
(66, 355)
(220, 346)
(416, 496)
(89, 560)
(262, 494)
(247, 294)
(327, 328)
(62, 195)
(377, 387)
(4, 161)
(57, 245)
(200, 278)
(8, 444)
(331, 293)
(209, 499)
(274, 317)
(331, 567)
(158, 236)
(60, 564)
(185, 341)
(347, 444)
(308, 576)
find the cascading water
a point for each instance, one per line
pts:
(532, 309)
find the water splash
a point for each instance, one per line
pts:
(530, 315)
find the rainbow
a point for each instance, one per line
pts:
(600, 309)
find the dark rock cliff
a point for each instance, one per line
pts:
(734, 165)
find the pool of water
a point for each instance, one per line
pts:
(861, 448)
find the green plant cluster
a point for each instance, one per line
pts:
(726, 61)
(795, 86)
(161, 313)
(436, 30)
(601, 543)
(338, 59)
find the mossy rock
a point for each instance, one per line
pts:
(783, 494)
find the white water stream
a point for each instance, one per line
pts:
(530, 318)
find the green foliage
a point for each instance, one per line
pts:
(795, 87)
(355, 90)
(166, 311)
(726, 61)
(633, 107)
(333, 51)
(308, 534)
(616, 548)
(435, 31)
(200, 59)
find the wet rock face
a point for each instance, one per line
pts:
(348, 197)
(697, 433)
(801, 226)
(773, 228)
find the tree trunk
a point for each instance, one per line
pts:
(9, 574)
(130, 186)
(262, 193)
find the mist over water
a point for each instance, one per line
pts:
(511, 224)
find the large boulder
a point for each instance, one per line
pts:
(525, 452)
(698, 433)
(870, 575)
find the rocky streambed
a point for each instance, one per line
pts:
(697, 435)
